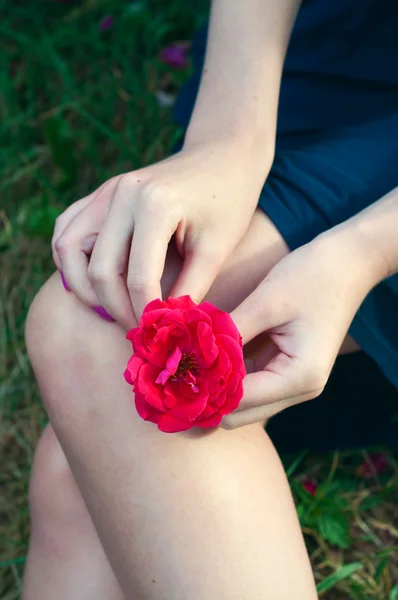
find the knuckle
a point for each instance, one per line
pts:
(62, 244)
(157, 198)
(154, 198)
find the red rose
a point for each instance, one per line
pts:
(187, 367)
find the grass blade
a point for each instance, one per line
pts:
(339, 575)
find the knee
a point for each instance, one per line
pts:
(54, 499)
(47, 323)
(55, 318)
(65, 342)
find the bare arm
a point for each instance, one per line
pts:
(205, 195)
(374, 234)
(238, 96)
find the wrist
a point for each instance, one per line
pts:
(236, 151)
(351, 246)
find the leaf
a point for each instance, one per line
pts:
(342, 573)
(386, 552)
(380, 568)
(394, 593)
(335, 529)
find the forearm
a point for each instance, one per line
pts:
(372, 236)
(239, 91)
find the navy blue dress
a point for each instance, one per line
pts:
(336, 153)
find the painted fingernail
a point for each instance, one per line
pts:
(100, 310)
(66, 286)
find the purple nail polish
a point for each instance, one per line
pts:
(100, 310)
(64, 282)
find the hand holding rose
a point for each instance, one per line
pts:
(306, 305)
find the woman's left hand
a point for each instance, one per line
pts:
(305, 305)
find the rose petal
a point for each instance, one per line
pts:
(194, 315)
(146, 385)
(152, 317)
(234, 351)
(168, 327)
(212, 421)
(154, 305)
(189, 411)
(223, 364)
(171, 367)
(208, 411)
(130, 335)
(183, 302)
(133, 366)
(214, 380)
(207, 344)
(222, 321)
(219, 400)
(183, 392)
(127, 377)
(169, 401)
(144, 410)
(170, 424)
(138, 345)
(233, 400)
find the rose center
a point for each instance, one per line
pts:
(186, 364)
(180, 367)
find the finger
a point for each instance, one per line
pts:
(199, 270)
(63, 221)
(73, 248)
(147, 259)
(260, 413)
(109, 260)
(283, 377)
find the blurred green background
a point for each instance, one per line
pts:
(83, 96)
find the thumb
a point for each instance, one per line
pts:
(255, 314)
(198, 272)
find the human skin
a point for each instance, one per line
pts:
(306, 304)
(206, 194)
(194, 515)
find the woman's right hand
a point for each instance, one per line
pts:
(111, 245)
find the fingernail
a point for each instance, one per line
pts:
(64, 282)
(100, 310)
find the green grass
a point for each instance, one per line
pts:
(77, 106)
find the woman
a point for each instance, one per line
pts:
(122, 510)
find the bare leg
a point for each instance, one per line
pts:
(66, 559)
(188, 515)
